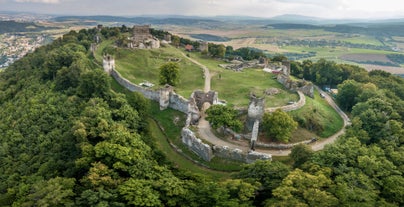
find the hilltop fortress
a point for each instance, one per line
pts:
(142, 38)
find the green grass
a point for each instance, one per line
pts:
(363, 40)
(99, 52)
(327, 116)
(282, 34)
(235, 87)
(143, 65)
(333, 52)
(179, 160)
(172, 132)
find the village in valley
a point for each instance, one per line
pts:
(16, 46)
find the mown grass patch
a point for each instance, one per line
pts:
(100, 49)
(139, 66)
(236, 87)
(322, 113)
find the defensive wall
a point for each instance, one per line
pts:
(166, 97)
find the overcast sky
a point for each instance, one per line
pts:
(259, 8)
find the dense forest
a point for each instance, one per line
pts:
(68, 139)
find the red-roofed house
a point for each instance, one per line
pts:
(189, 48)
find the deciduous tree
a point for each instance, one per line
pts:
(169, 74)
(300, 154)
(219, 115)
(279, 125)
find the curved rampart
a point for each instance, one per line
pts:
(188, 137)
(299, 104)
(176, 101)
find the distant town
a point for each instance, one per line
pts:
(16, 46)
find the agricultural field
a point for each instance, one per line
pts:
(342, 47)
(362, 39)
(362, 58)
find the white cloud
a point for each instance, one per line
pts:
(38, 1)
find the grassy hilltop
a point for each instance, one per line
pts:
(68, 137)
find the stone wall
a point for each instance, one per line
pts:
(188, 137)
(178, 102)
(196, 145)
(252, 156)
(148, 93)
(201, 97)
(239, 155)
(292, 107)
(299, 85)
(165, 96)
(254, 134)
(207, 152)
(283, 146)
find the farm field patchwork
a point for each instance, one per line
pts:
(277, 41)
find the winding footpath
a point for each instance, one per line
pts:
(206, 72)
(205, 131)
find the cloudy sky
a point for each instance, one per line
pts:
(259, 8)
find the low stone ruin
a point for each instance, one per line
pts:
(239, 155)
(297, 85)
(272, 91)
(237, 65)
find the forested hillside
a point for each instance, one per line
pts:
(12, 26)
(67, 139)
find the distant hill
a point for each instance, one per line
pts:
(13, 26)
(208, 37)
(372, 29)
(140, 20)
(297, 19)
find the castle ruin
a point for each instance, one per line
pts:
(143, 39)
(300, 85)
(204, 46)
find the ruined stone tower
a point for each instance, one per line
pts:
(108, 63)
(204, 46)
(256, 110)
(286, 70)
(167, 37)
(141, 33)
(165, 96)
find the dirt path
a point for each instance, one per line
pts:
(319, 145)
(206, 73)
(205, 131)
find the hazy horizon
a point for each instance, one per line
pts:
(338, 9)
